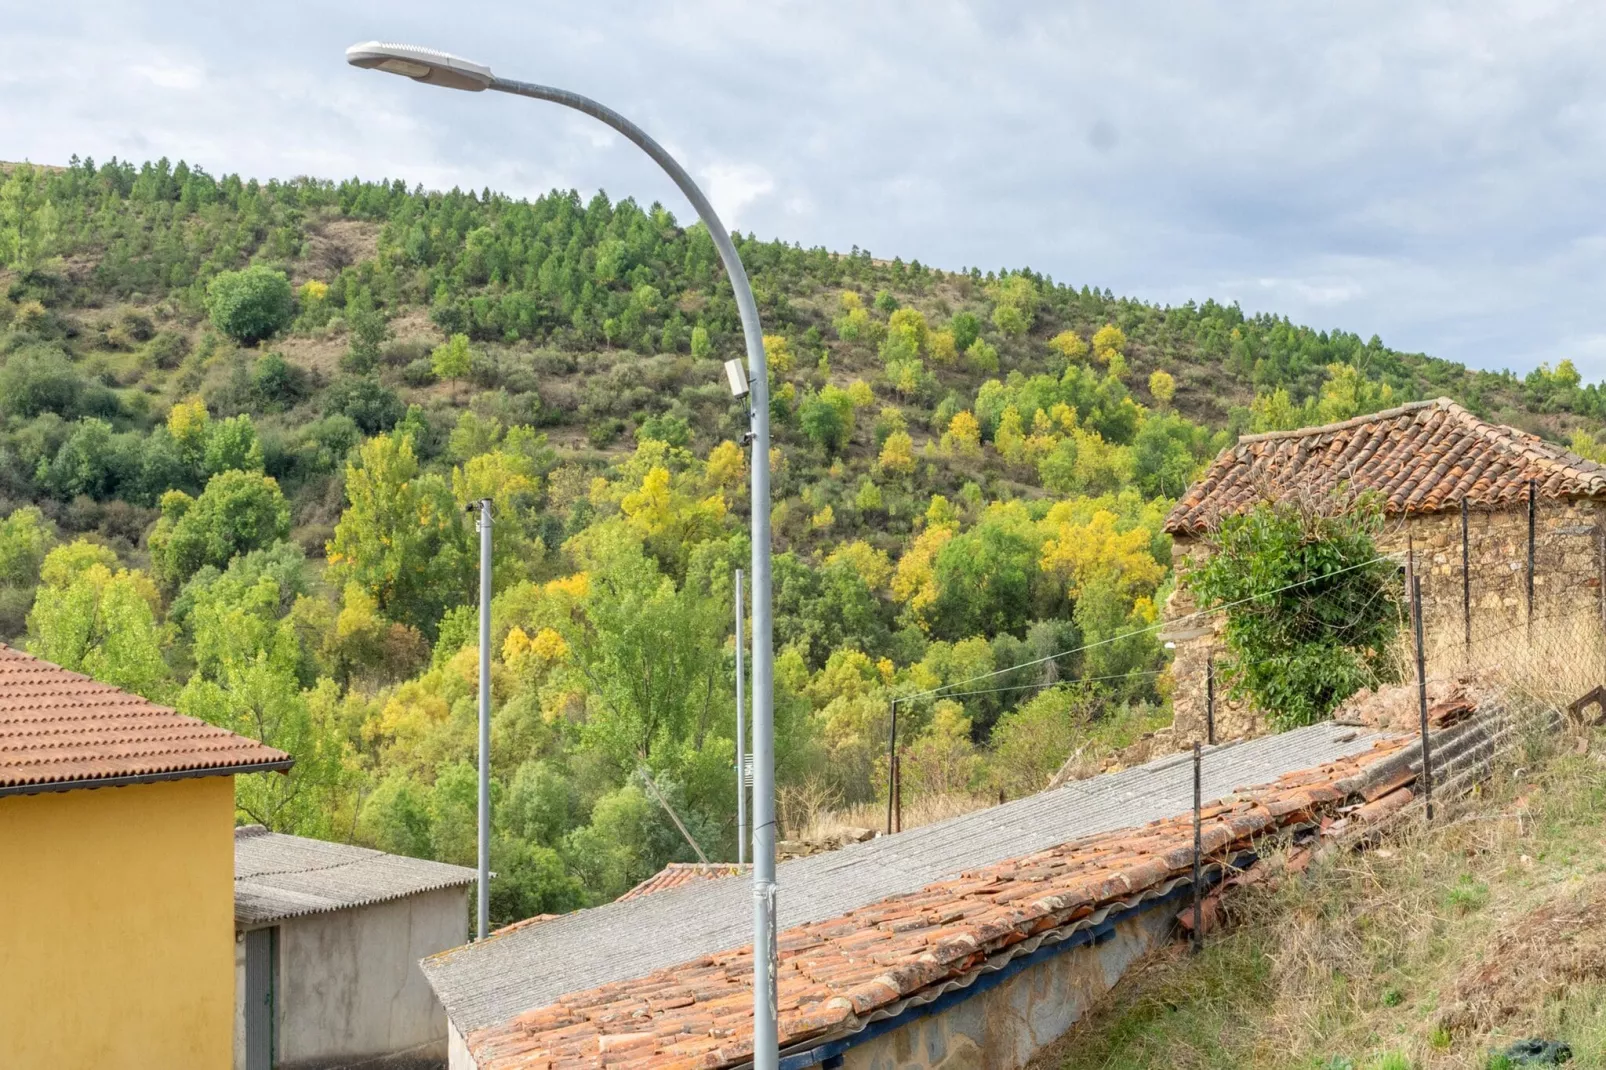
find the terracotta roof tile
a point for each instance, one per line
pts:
(678, 874)
(59, 728)
(699, 1014)
(1422, 458)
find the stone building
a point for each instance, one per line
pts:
(1438, 470)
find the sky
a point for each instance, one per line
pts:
(1427, 173)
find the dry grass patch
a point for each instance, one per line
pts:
(1433, 949)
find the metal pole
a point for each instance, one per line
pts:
(741, 735)
(1422, 696)
(892, 763)
(438, 68)
(1466, 579)
(1210, 699)
(482, 911)
(1198, 851)
(1533, 503)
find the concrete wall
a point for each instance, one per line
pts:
(1568, 595)
(457, 1056)
(116, 917)
(1003, 1027)
(351, 993)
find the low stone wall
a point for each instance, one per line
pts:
(1003, 1027)
(1569, 568)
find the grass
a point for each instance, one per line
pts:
(1434, 950)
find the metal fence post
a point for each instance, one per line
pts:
(1198, 851)
(1422, 696)
(892, 767)
(1533, 504)
(1466, 580)
(1210, 700)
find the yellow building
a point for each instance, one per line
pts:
(116, 875)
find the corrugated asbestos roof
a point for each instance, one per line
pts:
(838, 973)
(61, 729)
(490, 982)
(1422, 458)
(677, 874)
(278, 876)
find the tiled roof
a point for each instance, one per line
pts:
(677, 874)
(836, 973)
(278, 876)
(61, 729)
(490, 981)
(1422, 457)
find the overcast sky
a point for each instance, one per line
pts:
(1431, 174)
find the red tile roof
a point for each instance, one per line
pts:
(833, 973)
(677, 874)
(1422, 458)
(61, 729)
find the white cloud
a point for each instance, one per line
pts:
(1427, 174)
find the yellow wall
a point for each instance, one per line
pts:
(117, 927)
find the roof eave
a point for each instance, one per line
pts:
(278, 765)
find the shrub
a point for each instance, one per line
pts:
(372, 406)
(250, 305)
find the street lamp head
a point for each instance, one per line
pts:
(421, 65)
(736, 375)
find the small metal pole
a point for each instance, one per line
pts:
(897, 791)
(1422, 697)
(1533, 503)
(741, 741)
(1466, 579)
(892, 768)
(1198, 851)
(1210, 700)
(482, 912)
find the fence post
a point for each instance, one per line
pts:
(1198, 850)
(1422, 695)
(1466, 580)
(1533, 503)
(892, 766)
(1210, 699)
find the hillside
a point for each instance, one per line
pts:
(242, 419)
(1437, 947)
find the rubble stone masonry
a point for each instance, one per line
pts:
(1567, 592)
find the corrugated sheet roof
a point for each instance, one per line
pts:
(61, 729)
(489, 982)
(677, 874)
(1422, 458)
(278, 876)
(837, 973)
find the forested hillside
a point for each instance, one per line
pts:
(242, 421)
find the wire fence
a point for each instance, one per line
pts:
(1512, 600)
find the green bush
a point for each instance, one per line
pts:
(250, 305)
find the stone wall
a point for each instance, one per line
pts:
(1003, 1027)
(1568, 594)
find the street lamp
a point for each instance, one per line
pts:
(452, 72)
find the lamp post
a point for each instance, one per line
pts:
(452, 72)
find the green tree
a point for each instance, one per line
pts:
(1311, 607)
(28, 219)
(95, 618)
(403, 537)
(452, 360)
(368, 328)
(236, 513)
(250, 305)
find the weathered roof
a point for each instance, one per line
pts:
(677, 874)
(838, 974)
(60, 729)
(490, 982)
(1421, 458)
(278, 876)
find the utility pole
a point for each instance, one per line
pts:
(741, 742)
(482, 912)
